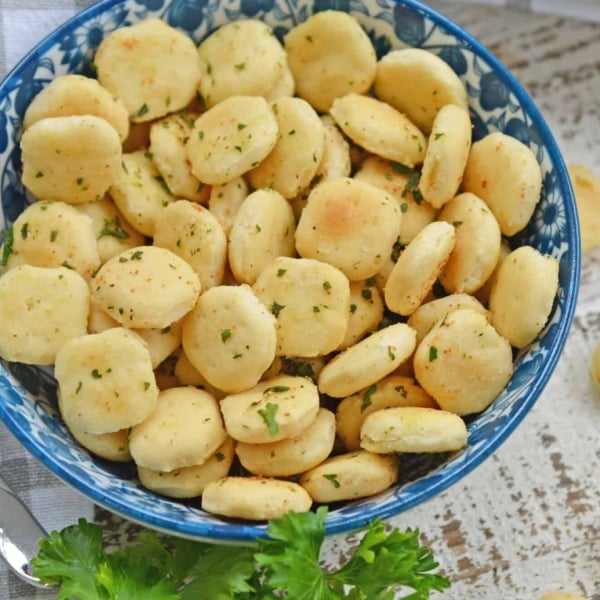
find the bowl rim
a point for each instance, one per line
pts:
(221, 531)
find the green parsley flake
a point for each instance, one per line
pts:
(433, 353)
(225, 335)
(268, 414)
(366, 397)
(333, 478)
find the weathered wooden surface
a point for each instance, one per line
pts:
(527, 521)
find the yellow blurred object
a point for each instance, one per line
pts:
(586, 187)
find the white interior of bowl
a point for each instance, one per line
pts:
(27, 393)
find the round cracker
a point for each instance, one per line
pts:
(41, 309)
(189, 482)
(185, 429)
(231, 138)
(324, 68)
(310, 300)
(74, 94)
(523, 294)
(53, 234)
(230, 337)
(379, 128)
(262, 230)
(152, 67)
(349, 224)
(146, 287)
(397, 181)
(418, 267)
(504, 172)
(366, 310)
(350, 476)
(463, 362)
(74, 159)
(168, 139)
(295, 158)
(586, 187)
(106, 381)
(476, 244)
(429, 313)
(254, 498)
(367, 361)
(225, 199)
(414, 429)
(292, 455)
(446, 156)
(194, 234)
(114, 234)
(139, 191)
(235, 67)
(273, 410)
(418, 83)
(389, 392)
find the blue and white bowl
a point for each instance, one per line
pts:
(497, 102)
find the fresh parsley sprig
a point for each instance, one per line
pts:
(285, 564)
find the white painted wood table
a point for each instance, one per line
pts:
(527, 521)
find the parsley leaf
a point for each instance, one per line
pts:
(283, 564)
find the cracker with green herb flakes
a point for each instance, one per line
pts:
(140, 192)
(112, 446)
(41, 309)
(379, 128)
(262, 229)
(324, 66)
(146, 287)
(105, 381)
(367, 361)
(273, 410)
(193, 233)
(402, 183)
(254, 498)
(523, 294)
(283, 87)
(414, 429)
(231, 138)
(73, 159)
(293, 455)
(463, 362)
(418, 83)
(349, 224)
(366, 311)
(114, 234)
(225, 199)
(189, 482)
(53, 234)
(241, 59)
(184, 429)
(294, 160)
(153, 68)
(476, 244)
(74, 94)
(350, 476)
(447, 152)
(391, 391)
(229, 337)
(432, 311)
(187, 374)
(418, 267)
(168, 139)
(310, 300)
(506, 175)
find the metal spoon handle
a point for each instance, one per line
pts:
(19, 535)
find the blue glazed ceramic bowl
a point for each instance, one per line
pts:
(497, 102)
